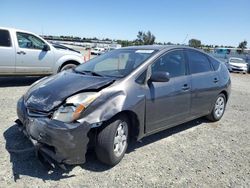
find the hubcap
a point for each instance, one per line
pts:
(219, 107)
(120, 140)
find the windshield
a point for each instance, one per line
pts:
(237, 61)
(117, 63)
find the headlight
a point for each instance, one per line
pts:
(74, 106)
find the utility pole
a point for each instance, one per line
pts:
(185, 39)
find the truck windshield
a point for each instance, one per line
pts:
(116, 63)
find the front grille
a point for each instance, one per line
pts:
(35, 113)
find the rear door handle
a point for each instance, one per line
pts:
(216, 80)
(21, 52)
(185, 87)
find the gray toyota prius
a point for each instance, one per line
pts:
(125, 93)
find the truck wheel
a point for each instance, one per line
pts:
(218, 109)
(68, 66)
(112, 140)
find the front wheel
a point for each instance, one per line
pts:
(218, 109)
(68, 66)
(112, 140)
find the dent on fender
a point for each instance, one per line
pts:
(112, 102)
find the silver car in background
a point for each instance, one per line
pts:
(237, 65)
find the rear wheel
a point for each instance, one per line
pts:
(218, 109)
(112, 141)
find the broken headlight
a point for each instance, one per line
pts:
(74, 106)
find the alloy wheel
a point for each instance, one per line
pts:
(219, 107)
(120, 140)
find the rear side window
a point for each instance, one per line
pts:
(198, 62)
(5, 38)
(215, 63)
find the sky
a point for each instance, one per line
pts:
(216, 22)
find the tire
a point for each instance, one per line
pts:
(67, 66)
(112, 140)
(218, 108)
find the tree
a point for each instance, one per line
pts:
(242, 46)
(145, 38)
(194, 43)
(125, 43)
(139, 39)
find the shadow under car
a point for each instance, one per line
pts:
(26, 163)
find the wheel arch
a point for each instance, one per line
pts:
(134, 127)
(134, 123)
(224, 92)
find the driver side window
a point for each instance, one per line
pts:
(172, 62)
(29, 41)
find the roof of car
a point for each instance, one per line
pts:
(155, 47)
(15, 30)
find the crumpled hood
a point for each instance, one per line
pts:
(52, 91)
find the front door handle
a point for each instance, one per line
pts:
(21, 52)
(185, 87)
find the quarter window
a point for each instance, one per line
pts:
(5, 38)
(215, 63)
(26, 40)
(198, 62)
(141, 78)
(173, 62)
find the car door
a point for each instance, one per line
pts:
(168, 103)
(30, 56)
(7, 53)
(204, 82)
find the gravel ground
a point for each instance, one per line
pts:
(195, 154)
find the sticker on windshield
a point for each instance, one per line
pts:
(144, 51)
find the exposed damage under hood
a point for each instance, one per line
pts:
(60, 87)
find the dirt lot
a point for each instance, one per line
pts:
(195, 154)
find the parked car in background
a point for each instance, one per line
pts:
(25, 53)
(236, 64)
(126, 93)
(97, 51)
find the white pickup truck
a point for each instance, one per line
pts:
(24, 53)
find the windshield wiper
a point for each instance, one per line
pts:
(88, 72)
(93, 73)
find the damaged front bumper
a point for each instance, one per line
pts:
(63, 142)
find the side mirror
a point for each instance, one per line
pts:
(160, 76)
(46, 47)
